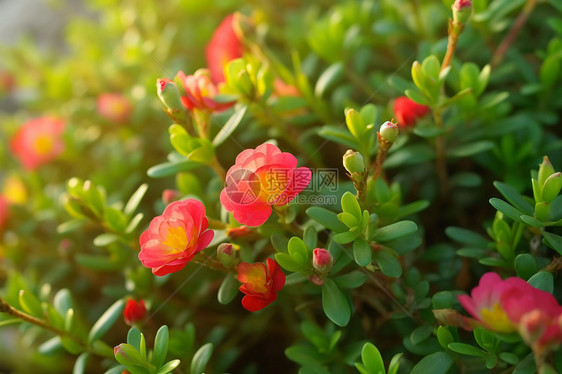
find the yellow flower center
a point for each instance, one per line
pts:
(43, 144)
(497, 319)
(176, 239)
(256, 279)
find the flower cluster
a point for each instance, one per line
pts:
(513, 305)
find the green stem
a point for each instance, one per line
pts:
(440, 154)
(455, 29)
(217, 167)
(216, 224)
(500, 52)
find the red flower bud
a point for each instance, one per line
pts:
(134, 311)
(407, 112)
(322, 260)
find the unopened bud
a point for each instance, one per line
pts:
(545, 170)
(551, 187)
(169, 94)
(389, 131)
(353, 162)
(532, 326)
(237, 232)
(462, 9)
(169, 196)
(451, 317)
(322, 260)
(226, 255)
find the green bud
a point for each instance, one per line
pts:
(462, 9)
(542, 210)
(355, 122)
(551, 187)
(126, 354)
(545, 170)
(353, 162)
(226, 255)
(418, 75)
(389, 131)
(169, 94)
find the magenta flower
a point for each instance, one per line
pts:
(38, 142)
(175, 237)
(485, 302)
(223, 47)
(260, 178)
(501, 304)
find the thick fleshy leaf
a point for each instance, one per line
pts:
(435, 363)
(230, 126)
(201, 358)
(106, 321)
(160, 346)
(395, 231)
(228, 289)
(335, 304)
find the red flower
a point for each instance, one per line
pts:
(200, 91)
(134, 311)
(260, 178)
(260, 284)
(223, 47)
(38, 141)
(175, 237)
(408, 111)
(114, 107)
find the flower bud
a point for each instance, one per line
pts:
(238, 232)
(134, 311)
(353, 162)
(545, 170)
(551, 187)
(462, 9)
(169, 94)
(389, 131)
(532, 326)
(542, 210)
(126, 354)
(169, 196)
(226, 255)
(322, 260)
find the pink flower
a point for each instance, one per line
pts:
(175, 237)
(38, 142)
(200, 91)
(114, 107)
(461, 4)
(407, 111)
(3, 211)
(223, 47)
(501, 304)
(260, 284)
(260, 178)
(134, 311)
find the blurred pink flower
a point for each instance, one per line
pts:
(223, 47)
(134, 311)
(260, 285)
(407, 111)
(38, 141)
(260, 178)
(200, 91)
(175, 237)
(501, 305)
(114, 107)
